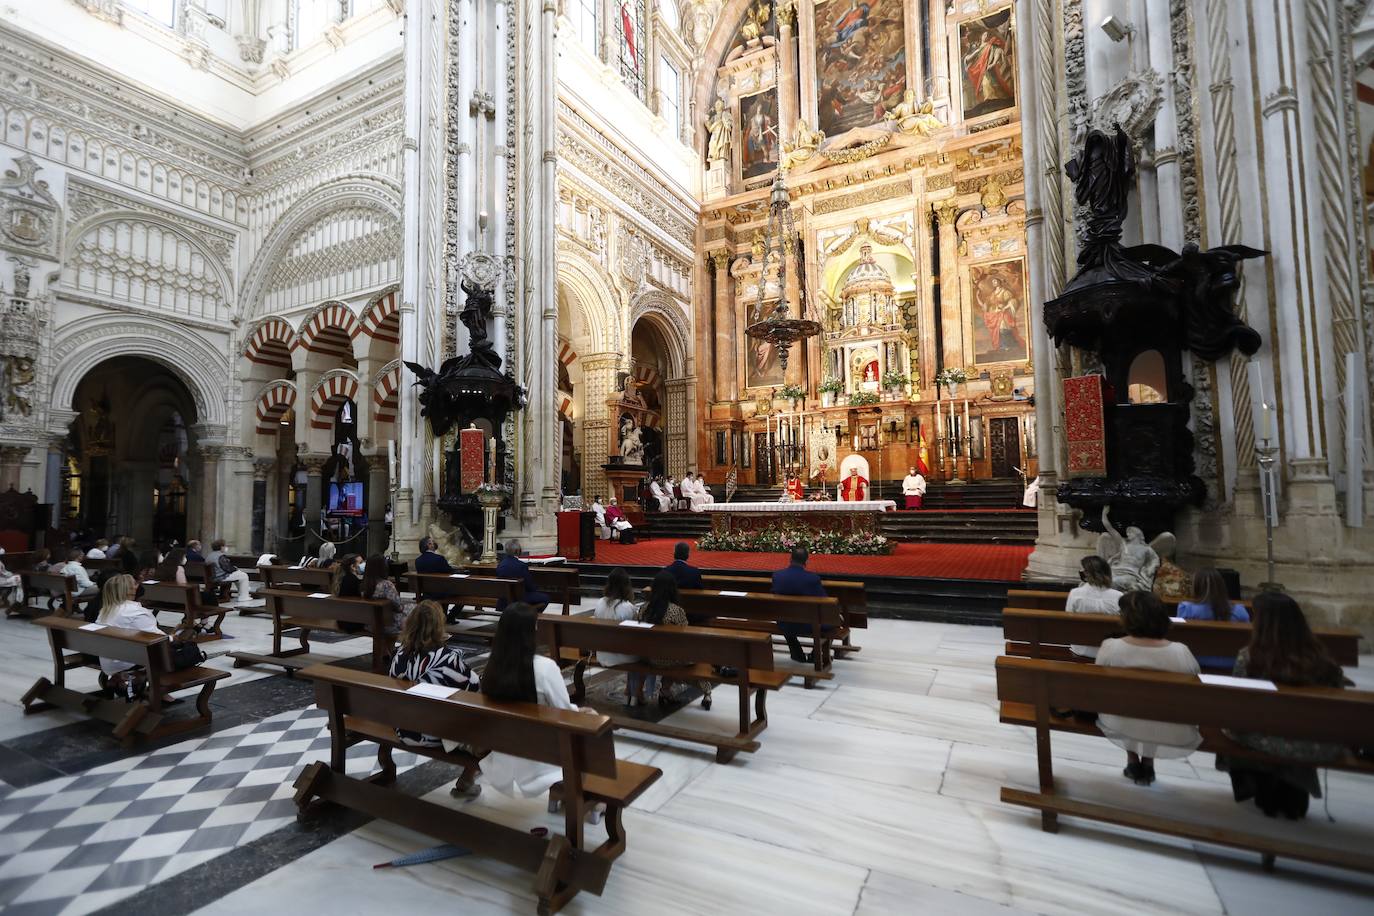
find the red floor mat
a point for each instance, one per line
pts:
(995, 562)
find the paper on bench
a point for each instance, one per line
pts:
(1179, 619)
(458, 575)
(92, 626)
(438, 691)
(1225, 680)
(150, 582)
(319, 595)
(300, 566)
(734, 594)
(635, 623)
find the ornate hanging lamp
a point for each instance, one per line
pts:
(782, 241)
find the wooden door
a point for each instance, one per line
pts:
(765, 475)
(1004, 446)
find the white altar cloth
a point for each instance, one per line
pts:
(868, 505)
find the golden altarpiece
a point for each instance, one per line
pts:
(897, 126)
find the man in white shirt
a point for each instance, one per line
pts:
(664, 499)
(98, 551)
(1031, 498)
(914, 489)
(85, 588)
(599, 511)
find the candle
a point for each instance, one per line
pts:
(1259, 401)
(966, 424)
(491, 450)
(953, 426)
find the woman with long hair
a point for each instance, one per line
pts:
(1094, 596)
(347, 581)
(1212, 602)
(617, 603)
(425, 656)
(173, 567)
(326, 556)
(377, 584)
(1284, 650)
(119, 609)
(661, 608)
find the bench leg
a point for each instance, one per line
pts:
(615, 834)
(579, 683)
(31, 700)
(387, 775)
(552, 894)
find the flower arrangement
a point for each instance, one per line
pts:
(893, 379)
(863, 398)
(487, 486)
(831, 385)
(792, 392)
(951, 375)
(784, 538)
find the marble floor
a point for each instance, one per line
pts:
(876, 792)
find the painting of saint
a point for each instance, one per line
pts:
(988, 64)
(860, 62)
(999, 312)
(758, 116)
(762, 368)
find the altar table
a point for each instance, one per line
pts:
(821, 515)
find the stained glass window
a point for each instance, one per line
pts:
(669, 93)
(631, 39)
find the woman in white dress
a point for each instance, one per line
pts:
(616, 603)
(119, 609)
(1146, 622)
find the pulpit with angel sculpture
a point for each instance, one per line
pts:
(1134, 562)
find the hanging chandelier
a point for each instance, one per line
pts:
(781, 241)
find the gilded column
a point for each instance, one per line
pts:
(951, 318)
(598, 376)
(787, 69)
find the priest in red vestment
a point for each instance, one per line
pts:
(854, 488)
(795, 489)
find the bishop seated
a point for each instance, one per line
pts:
(854, 488)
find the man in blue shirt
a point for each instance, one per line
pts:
(512, 567)
(796, 579)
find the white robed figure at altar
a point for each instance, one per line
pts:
(694, 489)
(659, 490)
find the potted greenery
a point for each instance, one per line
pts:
(951, 377)
(793, 393)
(863, 398)
(894, 381)
(830, 389)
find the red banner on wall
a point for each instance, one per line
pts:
(1084, 427)
(472, 459)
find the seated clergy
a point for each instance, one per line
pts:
(699, 496)
(854, 488)
(914, 489)
(660, 493)
(618, 524)
(794, 490)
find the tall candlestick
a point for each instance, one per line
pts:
(491, 450)
(966, 426)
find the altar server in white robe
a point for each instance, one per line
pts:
(699, 495)
(1031, 498)
(665, 499)
(600, 512)
(914, 489)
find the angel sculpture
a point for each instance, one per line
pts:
(1133, 561)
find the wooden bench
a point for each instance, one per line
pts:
(60, 591)
(185, 599)
(1030, 689)
(295, 610)
(17, 561)
(151, 651)
(852, 596)
(563, 584)
(362, 705)
(300, 578)
(1052, 600)
(248, 563)
(703, 651)
(763, 611)
(1048, 634)
(459, 591)
(197, 574)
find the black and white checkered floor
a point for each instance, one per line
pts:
(79, 843)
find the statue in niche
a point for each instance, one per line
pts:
(720, 126)
(912, 119)
(755, 21)
(803, 146)
(631, 442)
(1134, 562)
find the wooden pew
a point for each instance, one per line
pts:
(248, 563)
(763, 611)
(703, 650)
(462, 590)
(60, 590)
(300, 578)
(362, 705)
(852, 596)
(1051, 600)
(151, 651)
(563, 584)
(300, 611)
(19, 560)
(186, 600)
(1029, 689)
(1048, 634)
(197, 574)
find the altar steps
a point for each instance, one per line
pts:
(981, 494)
(965, 526)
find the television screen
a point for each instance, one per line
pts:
(346, 498)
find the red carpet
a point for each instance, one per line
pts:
(996, 562)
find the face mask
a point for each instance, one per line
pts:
(362, 567)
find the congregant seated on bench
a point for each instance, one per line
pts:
(796, 579)
(348, 577)
(515, 671)
(377, 584)
(172, 568)
(1211, 602)
(119, 609)
(326, 555)
(424, 655)
(512, 567)
(1094, 596)
(219, 568)
(1144, 646)
(75, 568)
(1284, 650)
(430, 560)
(683, 573)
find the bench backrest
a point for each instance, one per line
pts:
(50, 582)
(852, 595)
(308, 578)
(1052, 600)
(737, 648)
(566, 738)
(1314, 713)
(20, 560)
(171, 594)
(291, 603)
(197, 572)
(466, 585)
(760, 606)
(147, 649)
(1203, 637)
(552, 577)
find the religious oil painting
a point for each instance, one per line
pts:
(987, 64)
(762, 367)
(758, 133)
(860, 62)
(999, 327)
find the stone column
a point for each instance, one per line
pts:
(262, 466)
(378, 495)
(787, 72)
(139, 478)
(209, 491)
(951, 317)
(598, 377)
(726, 339)
(11, 462)
(314, 488)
